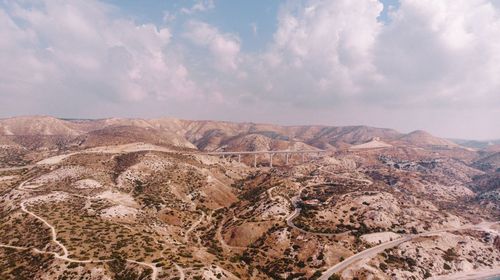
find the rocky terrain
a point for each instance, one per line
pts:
(140, 199)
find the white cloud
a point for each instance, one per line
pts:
(431, 53)
(224, 47)
(78, 49)
(200, 6)
(430, 57)
(323, 50)
(441, 53)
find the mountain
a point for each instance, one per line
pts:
(37, 125)
(124, 134)
(208, 135)
(479, 145)
(423, 138)
(489, 162)
(259, 142)
(343, 137)
(374, 144)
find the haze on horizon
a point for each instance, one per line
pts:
(407, 65)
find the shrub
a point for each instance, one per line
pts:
(450, 255)
(335, 277)
(73, 265)
(383, 266)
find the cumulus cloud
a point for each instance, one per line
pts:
(225, 47)
(429, 61)
(78, 48)
(323, 49)
(443, 53)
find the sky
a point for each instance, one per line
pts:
(407, 64)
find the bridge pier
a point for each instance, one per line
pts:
(288, 155)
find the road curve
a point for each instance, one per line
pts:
(150, 265)
(56, 255)
(52, 229)
(361, 255)
(368, 253)
(223, 243)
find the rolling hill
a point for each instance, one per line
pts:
(206, 135)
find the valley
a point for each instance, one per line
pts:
(172, 199)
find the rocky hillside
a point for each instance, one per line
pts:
(116, 135)
(493, 145)
(211, 135)
(490, 162)
(422, 138)
(39, 125)
(128, 199)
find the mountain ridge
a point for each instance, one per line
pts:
(217, 135)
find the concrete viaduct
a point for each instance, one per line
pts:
(287, 153)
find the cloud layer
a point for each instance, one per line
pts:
(78, 48)
(432, 65)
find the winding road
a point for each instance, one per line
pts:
(52, 229)
(56, 255)
(154, 275)
(369, 253)
(64, 256)
(223, 243)
(296, 211)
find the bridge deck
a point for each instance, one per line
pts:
(263, 152)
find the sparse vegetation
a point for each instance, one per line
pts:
(132, 214)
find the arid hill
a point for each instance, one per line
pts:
(137, 199)
(38, 125)
(116, 135)
(213, 135)
(421, 138)
(490, 162)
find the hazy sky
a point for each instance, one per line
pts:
(408, 64)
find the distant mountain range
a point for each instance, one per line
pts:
(480, 145)
(206, 135)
